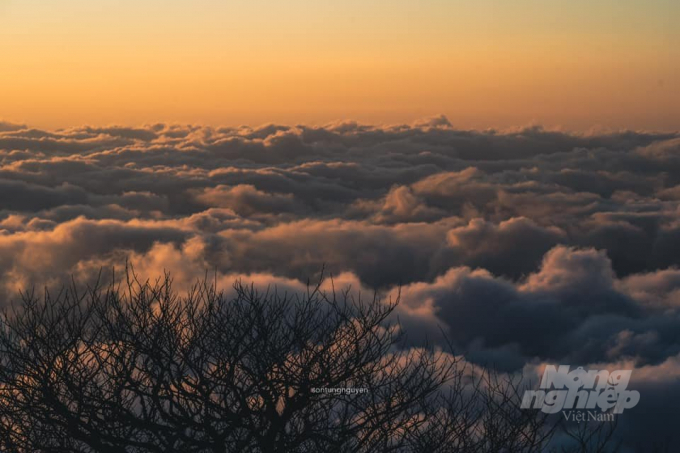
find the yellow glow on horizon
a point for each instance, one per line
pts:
(484, 63)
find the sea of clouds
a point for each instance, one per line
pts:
(524, 247)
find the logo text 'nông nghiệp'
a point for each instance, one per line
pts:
(562, 389)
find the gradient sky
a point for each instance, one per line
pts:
(578, 64)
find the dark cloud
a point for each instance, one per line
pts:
(513, 247)
(526, 246)
(7, 126)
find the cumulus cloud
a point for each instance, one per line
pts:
(523, 247)
(246, 200)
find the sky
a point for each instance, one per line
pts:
(577, 64)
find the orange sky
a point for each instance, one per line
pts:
(485, 63)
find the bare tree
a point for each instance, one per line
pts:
(137, 368)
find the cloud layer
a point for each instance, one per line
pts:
(525, 246)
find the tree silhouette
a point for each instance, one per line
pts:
(135, 367)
